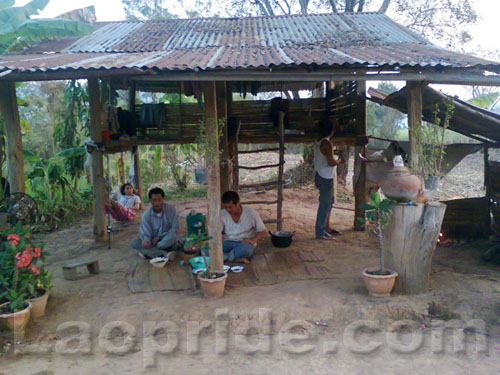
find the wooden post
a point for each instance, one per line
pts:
(236, 168)
(335, 191)
(213, 193)
(15, 160)
(137, 164)
(281, 170)
(409, 241)
(487, 184)
(360, 186)
(221, 91)
(414, 99)
(97, 161)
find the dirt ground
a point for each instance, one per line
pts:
(463, 288)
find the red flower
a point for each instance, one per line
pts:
(37, 252)
(23, 259)
(34, 269)
(13, 236)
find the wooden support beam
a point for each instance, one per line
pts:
(414, 98)
(260, 185)
(137, 164)
(487, 184)
(360, 186)
(214, 192)
(221, 92)
(97, 160)
(260, 166)
(15, 160)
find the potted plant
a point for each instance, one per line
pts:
(431, 145)
(212, 283)
(24, 278)
(379, 281)
(14, 279)
(40, 295)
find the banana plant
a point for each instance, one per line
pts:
(18, 31)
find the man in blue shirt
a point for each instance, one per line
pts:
(159, 230)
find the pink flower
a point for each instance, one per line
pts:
(34, 269)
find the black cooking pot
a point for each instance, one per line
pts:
(281, 238)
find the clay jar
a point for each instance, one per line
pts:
(400, 185)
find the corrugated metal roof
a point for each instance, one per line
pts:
(336, 40)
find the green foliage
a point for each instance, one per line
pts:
(431, 141)
(382, 121)
(377, 215)
(146, 10)
(73, 117)
(19, 31)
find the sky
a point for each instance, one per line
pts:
(485, 33)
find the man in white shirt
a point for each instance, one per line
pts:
(242, 228)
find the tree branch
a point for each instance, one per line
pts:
(384, 6)
(333, 5)
(361, 6)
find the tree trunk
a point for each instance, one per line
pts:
(410, 239)
(213, 194)
(15, 158)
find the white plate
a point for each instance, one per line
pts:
(158, 262)
(197, 271)
(237, 269)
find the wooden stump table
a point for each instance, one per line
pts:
(409, 242)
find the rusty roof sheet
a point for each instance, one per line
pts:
(335, 40)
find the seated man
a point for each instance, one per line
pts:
(242, 228)
(159, 228)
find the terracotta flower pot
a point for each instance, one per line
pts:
(15, 322)
(379, 285)
(38, 305)
(213, 288)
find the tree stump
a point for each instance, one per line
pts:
(409, 241)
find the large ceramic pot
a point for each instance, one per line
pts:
(15, 322)
(401, 185)
(38, 305)
(379, 285)
(213, 287)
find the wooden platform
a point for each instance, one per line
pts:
(267, 268)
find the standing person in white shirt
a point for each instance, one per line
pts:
(324, 165)
(242, 228)
(124, 209)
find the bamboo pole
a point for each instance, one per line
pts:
(281, 170)
(214, 193)
(15, 160)
(97, 161)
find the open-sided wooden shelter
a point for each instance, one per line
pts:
(219, 56)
